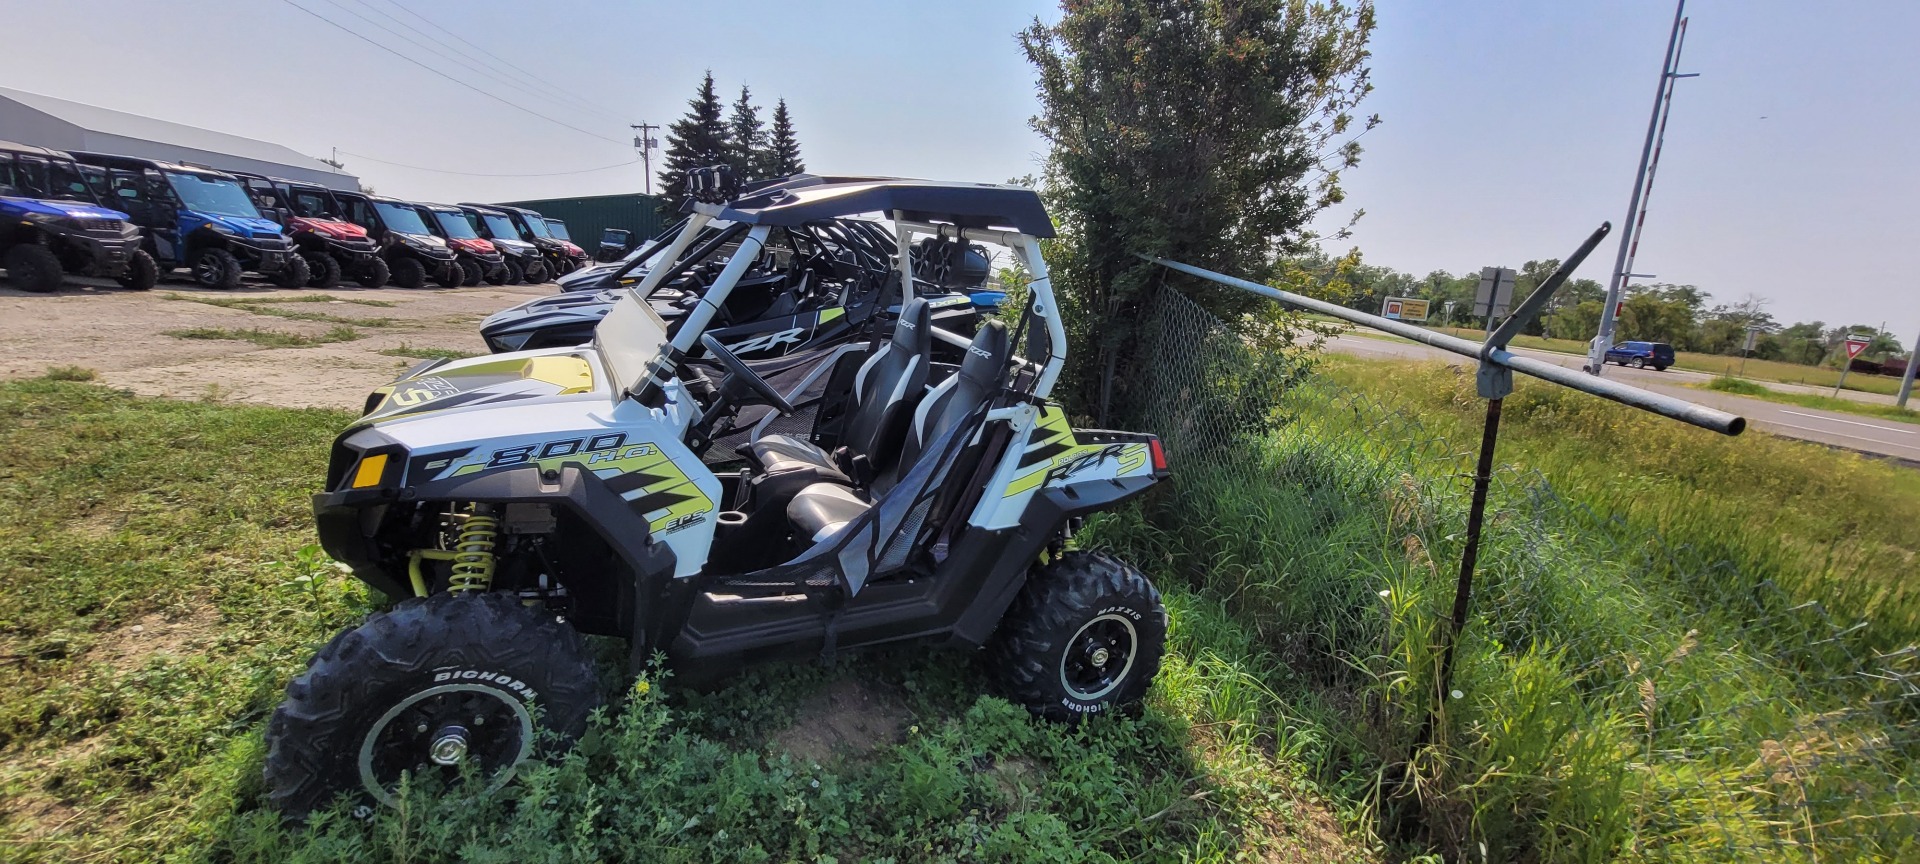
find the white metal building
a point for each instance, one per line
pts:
(44, 121)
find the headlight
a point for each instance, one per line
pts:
(45, 218)
(222, 229)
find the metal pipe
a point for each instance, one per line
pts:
(1666, 406)
(1906, 381)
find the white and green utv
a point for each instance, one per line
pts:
(512, 503)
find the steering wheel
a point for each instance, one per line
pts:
(739, 372)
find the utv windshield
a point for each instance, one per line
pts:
(208, 193)
(558, 229)
(500, 226)
(628, 339)
(536, 225)
(455, 224)
(51, 179)
(309, 203)
(401, 218)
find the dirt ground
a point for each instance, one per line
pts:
(122, 336)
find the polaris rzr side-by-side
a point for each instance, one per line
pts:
(513, 502)
(198, 218)
(813, 286)
(332, 246)
(52, 223)
(412, 251)
(478, 259)
(525, 262)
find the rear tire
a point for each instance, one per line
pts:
(216, 269)
(1659, 368)
(408, 273)
(472, 668)
(450, 275)
(374, 275)
(1084, 637)
(33, 267)
(1638, 362)
(295, 274)
(471, 272)
(325, 270)
(141, 274)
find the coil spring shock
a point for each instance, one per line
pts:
(473, 551)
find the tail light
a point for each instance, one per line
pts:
(1159, 455)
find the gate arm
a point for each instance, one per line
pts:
(1492, 352)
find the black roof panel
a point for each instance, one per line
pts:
(805, 198)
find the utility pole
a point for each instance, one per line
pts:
(646, 144)
(1906, 381)
(1642, 186)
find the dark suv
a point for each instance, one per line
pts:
(1640, 355)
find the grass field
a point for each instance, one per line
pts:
(1744, 387)
(1719, 364)
(160, 589)
(1643, 676)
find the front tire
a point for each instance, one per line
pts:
(471, 272)
(141, 274)
(325, 270)
(498, 275)
(295, 274)
(375, 274)
(535, 273)
(408, 273)
(33, 267)
(450, 275)
(481, 675)
(216, 269)
(1084, 637)
(515, 274)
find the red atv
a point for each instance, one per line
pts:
(331, 246)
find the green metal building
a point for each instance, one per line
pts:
(587, 217)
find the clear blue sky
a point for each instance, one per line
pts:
(1511, 128)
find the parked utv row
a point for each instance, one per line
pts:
(135, 220)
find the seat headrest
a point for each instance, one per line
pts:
(986, 360)
(914, 331)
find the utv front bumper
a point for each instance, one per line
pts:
(97, 247)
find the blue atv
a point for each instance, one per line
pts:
(197, 218)
(51, 224)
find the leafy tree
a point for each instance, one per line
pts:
(1661, 313)
(783, 148)
(697, 140)
(748, 137)
(1210, 133)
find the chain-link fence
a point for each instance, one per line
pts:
(1617, 695)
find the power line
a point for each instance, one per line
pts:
(503, 61)
(459, 56)
(472, 174)
(355, 34)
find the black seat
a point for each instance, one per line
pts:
(885, 393)
(821, 509)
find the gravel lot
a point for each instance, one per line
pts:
(124, 337)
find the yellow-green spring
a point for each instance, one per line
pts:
(473, 551)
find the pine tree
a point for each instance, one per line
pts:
(783, 149)
(697, 140)
(749, 136)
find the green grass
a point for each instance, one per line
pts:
(1642, 676)
(1744, 387)
(267, 338)
(71, 373)
(273, 306)
(191, 522)
(428, 353)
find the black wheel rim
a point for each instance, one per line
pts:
(208, 270)
(440, 730)
(1099, 657)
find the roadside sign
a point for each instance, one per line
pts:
(1856, 344)
(1753, 338)
(1405, 309)
(1495, 294)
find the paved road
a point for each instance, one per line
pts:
(1866, 434)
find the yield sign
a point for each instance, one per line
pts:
(1855, 345)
